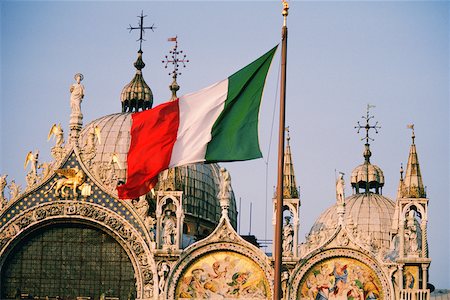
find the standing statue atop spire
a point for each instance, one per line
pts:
(340, 189)
(76, 95)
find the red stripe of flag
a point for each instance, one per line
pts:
(153, 134)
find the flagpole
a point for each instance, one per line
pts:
(278, 293)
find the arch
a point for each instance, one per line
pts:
(90, 214)
(223, 245)
(305, 267)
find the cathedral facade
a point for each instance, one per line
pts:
(67, 235)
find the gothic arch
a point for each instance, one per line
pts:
(304, 266)
(94, 215)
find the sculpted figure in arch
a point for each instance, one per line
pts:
(169, 229)
(76, 94)
(288, 235)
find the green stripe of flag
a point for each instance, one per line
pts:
(235, 132)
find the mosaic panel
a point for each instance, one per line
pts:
(223, 275)
(340, 278)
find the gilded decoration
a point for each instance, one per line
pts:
(340, 278)
(223, 275)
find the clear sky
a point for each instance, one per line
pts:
(341, 56)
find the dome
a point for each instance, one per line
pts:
(367, 176)
(369, 214)
(199, 182)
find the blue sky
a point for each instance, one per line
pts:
(341, 56)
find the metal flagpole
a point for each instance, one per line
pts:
(278, 293)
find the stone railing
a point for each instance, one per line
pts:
(414, 294)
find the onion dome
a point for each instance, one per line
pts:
(412, 186)
(108, 164)
(370, 214)
(290, 190)
(367, 176)
(137, 94)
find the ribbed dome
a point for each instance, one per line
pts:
(137, 94)
(367, 176)
(370, 213)
(199, 182)
(367, 172)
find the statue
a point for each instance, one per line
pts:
(169, 229)
(58, 133)
(3, 184)
(73, 178)
(77, 94)
(288, 235)
(162, 274)
(340, 189)
(33, 160)
(14, 189)
(141, 207)
(225, 184)
(411, 232)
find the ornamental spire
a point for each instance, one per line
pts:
(176, 61)
(290, 190)
(413, 184)
(137, 94)
(367, 176)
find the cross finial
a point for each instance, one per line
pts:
(141, 29)
(174, 59)
(367, 127)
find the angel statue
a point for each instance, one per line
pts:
(58, 134)
(73, 178)
(76, 95)
(33, 160)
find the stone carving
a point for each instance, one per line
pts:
(89, 150)
(150, 225)
(3, 185)
(141, 207)
(284, 283)
(163, 272)
(411, 234)
(340, 189)
(76, 95)
(225, 184)
(169, 230)
(58, 133)
(57, 151)
(288, 236)
(73, 179)
(14, 190)
(32, 176)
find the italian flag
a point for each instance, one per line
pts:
(217, 123)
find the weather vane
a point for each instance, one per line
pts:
(367, 127)
(174, 58)
(141, 28)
